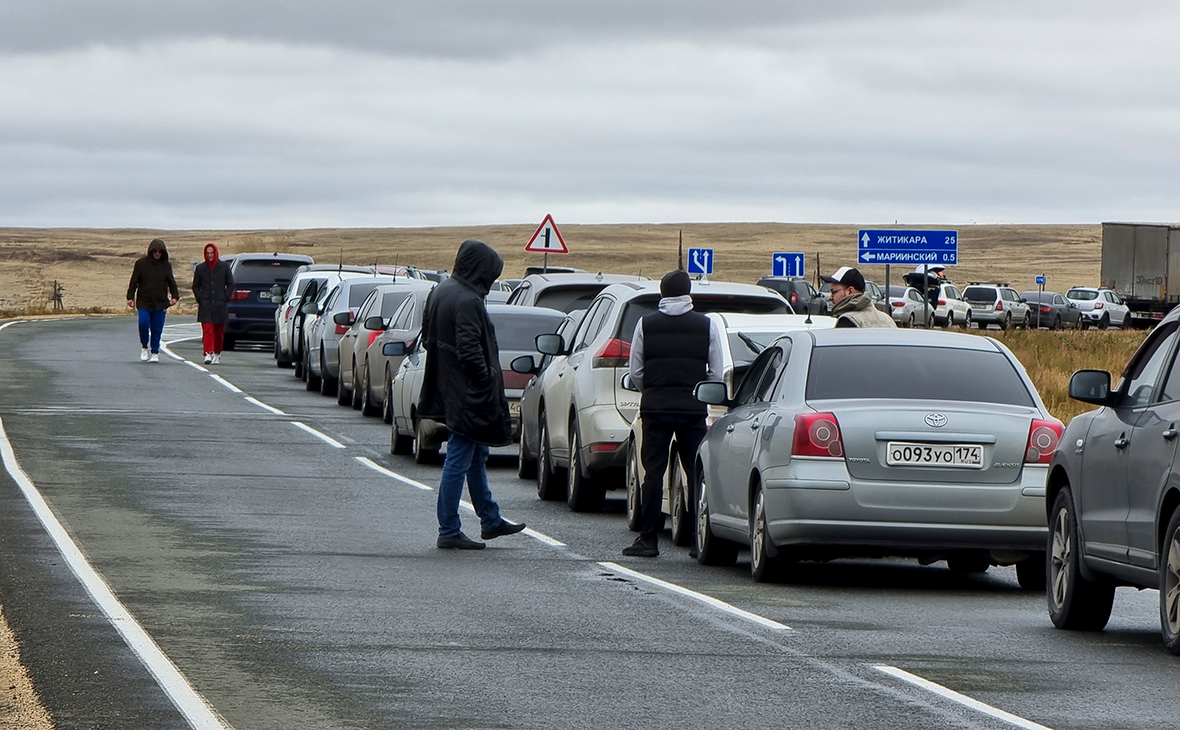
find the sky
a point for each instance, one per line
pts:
(400, 113)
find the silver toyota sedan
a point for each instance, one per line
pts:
(850, 442)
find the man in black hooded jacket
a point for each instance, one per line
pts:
(463, 387)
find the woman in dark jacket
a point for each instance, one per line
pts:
(152, 290)
(462, 386)
(212, 286)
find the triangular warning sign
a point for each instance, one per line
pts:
(547, 239)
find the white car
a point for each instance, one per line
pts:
(908, 307)
(308, 281)
(1101, 308)
(746, 336)
(952, 310)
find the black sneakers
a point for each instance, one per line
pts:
(504, 528)
(460, 542)
(643, 547)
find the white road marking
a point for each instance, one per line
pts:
(392, 474)
(326, 439)
(228, 384)
(961, 699)
(196, 710)
(542, 537)
(9, 324)
(195, 366)
(260, 404)
(707, 600)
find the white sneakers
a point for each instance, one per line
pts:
(208, 357)
(155, 357)
(143, 355)
(216, 359)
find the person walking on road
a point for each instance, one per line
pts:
(463, 387)
(672, 350)
(152, 290)
(850, 305)
(213, 284)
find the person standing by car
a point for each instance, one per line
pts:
(850, 305)
(152, 290)
(462, 387)
(672, 350)
(213, 284)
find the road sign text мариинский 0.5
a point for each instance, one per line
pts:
(907, 247)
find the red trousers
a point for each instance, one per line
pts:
(213, 336)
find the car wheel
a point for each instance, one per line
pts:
(526, 465)
(343, 396)
(711, 550)
(387, 397)
(1081, 323)
(549, 485)
(1104, 322)
(328, 385)
(1075, 602)
(682, 520)
(766, 561)
(367, 407)
(950, 320)
(299, 371)
(311, 380)
(421, 455)
(583, 493)
(970, 562)
(1027, 321)
(1170, 585)
(358, 394)
(1030, 573)
(967, 321)
(634, 488)
(279, 361)
(1007, 323)
(910, 323)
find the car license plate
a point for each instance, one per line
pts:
(904, 453)
(265, 295)
(514, 407)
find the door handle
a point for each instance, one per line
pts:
(729, 428)
(1170, 434)
(754, 425)
(1121, 442)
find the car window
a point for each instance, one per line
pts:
(517, 332)
(519, 293)
(391, 300)
(568, 298)
(703, 303)
(266, 271)
(366, 306)
(308, 285)
(331, 301)
(755, 385)
(593, 321)
(982, 294)
(400, 319)
(1171, 389)
(1081, 295)
(781, 381)
(1143, 371)
(358, 292)
(908, 372)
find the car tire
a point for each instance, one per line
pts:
(1075, 602)
(299, 371)
(367, 407)
(280, 361)
(767, 562)
(421, 455)
(400, 444)
(711, 550)
(950, 320)
(1030, 573)
(910, 324)
(1056, 323)
(1104, 323)
(1170, 585)
(550, 485)
(526, 465)
(583, 493)
(1006, 325)
(970, 562)
(329, 386)
(387, 397)
(1027, 321)
(967, 321)
(683, 522)
(634, 488)
(1081, 325)
(344, 396)
(311, 380)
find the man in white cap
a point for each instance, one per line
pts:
(851, 306)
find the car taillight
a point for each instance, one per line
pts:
(1043, 437)
(614, 354)
(942, 302)
(1046, 309)
(1000, 306)
(373, 335)
(341, 329)
(240, 295)
(1098, 305)
(287, 314)
(898, 304)
(794, 297)
(817, 434)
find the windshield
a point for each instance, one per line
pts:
(265, 271)
(914, 373)
(703, 303)
(980, 294)
(745, 346)
(568, 298)
(1081, 295)
(898, 291)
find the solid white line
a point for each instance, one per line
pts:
(195, 366)
(392, 474)
(542, 537)
(326, 439)
(199, 713)
(9, 324)
(260, 404)
(707, 600)
(954, 696)
(165, 345)
(226, 383)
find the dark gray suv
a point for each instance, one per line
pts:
(1113, 493)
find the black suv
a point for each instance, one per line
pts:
(799, 292)
(251, 308)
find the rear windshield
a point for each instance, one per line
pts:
(568, 298)
(519, 332)
(391, 301)
(898, 291)
(1032, 296)
(303, 285)
(265, 271)
(979, 294)
(1081, 294)
(358, 292)
(703, 303)
(914, 373)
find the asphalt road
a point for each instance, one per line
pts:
(292, 585)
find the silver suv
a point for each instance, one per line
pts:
(564, 292)
(997, 304)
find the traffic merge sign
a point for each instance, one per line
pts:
(700, 261)
(786, 264)
(547, 239)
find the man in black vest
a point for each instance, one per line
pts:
(671, 351)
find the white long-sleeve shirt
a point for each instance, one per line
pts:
(676, 306)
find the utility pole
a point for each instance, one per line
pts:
(680, 252)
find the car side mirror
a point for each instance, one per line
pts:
(276, 291)
(525, 364)
(375, 323)
(1023, 300)
(626, 383)
(550, 344)
(309, 307)
(712, 392)
(394, 349)
(276, 298)
(344, 318)
(1090, 386)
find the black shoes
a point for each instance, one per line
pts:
(504, 528)
(460, 542)
(643, 547)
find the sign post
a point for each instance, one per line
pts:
(547, 239)
(1041, 297)
(786, 264)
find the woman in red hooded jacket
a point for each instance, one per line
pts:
(212, 286)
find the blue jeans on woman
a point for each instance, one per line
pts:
(466, 459)
(153, 323)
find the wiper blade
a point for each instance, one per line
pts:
(751, 343)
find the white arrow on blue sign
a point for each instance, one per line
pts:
(786, 264)
(700, 261)
(1040, 279)
(907, 247)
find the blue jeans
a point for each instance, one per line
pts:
(465, 459)
(153, 321)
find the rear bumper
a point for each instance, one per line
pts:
(242, 328)
(604, 436)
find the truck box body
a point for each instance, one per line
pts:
(1141, 262)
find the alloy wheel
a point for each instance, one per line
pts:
(1171, 586)
(1059, 557)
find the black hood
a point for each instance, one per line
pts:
(157, 244)
(478, 265)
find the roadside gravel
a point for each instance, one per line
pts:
(20, 709)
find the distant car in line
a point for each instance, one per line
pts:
(251, 306)
(564, 292)
(997, 304)
(798, 292)
(1052, 310)
(1101, 308)
(289, 317)
(875, 292)
(908, 308)
(323, 337)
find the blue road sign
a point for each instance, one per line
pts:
(907, 247)
(1040, 279)
(786, 264)
(700, 261)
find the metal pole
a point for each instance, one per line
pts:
(888, 304)
(926, 295)
(545, 264)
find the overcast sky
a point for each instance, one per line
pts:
(295, 114)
